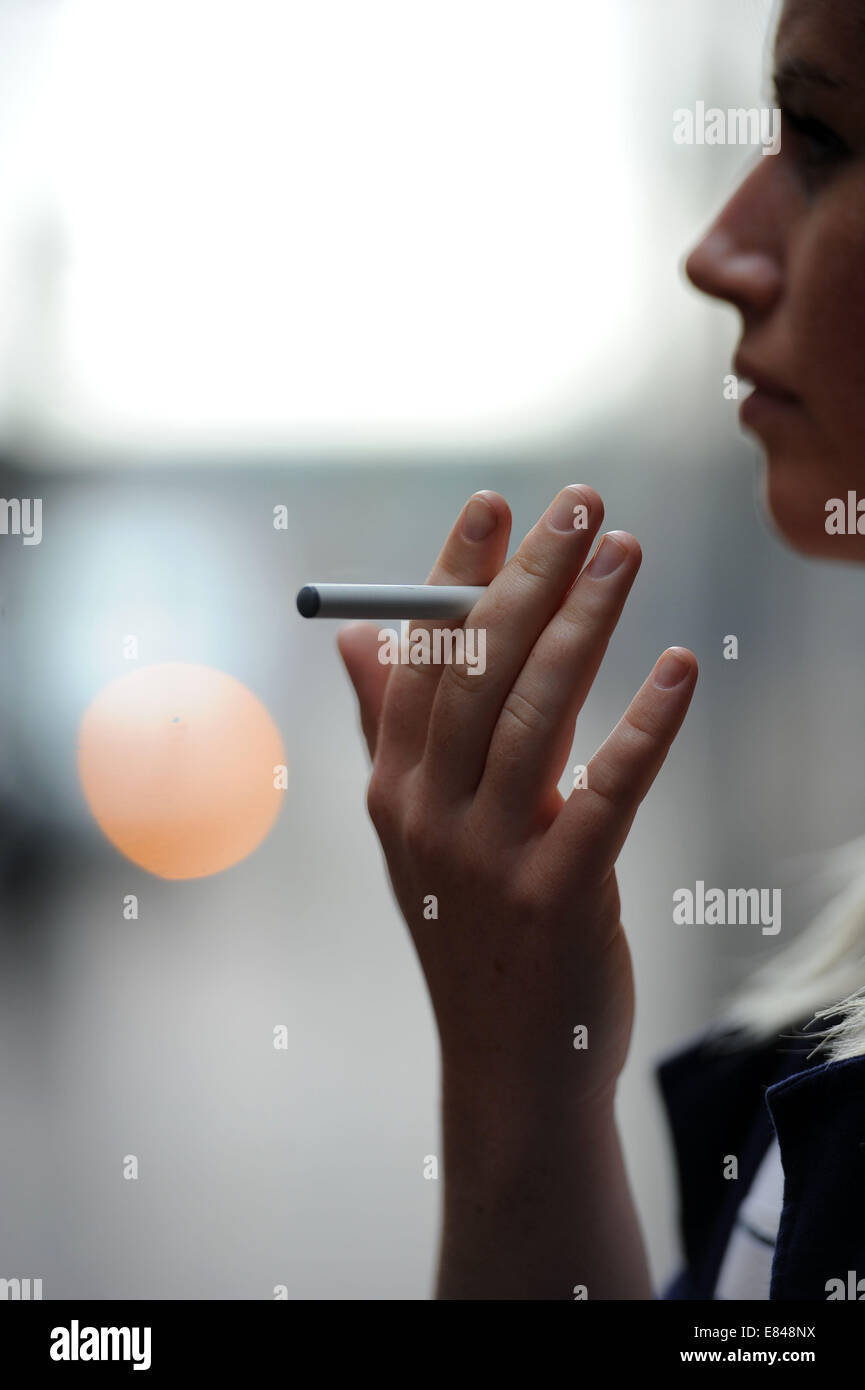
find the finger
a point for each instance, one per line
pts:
(598, 817)
(535, 729)
(512, 614)
(359, 648)
(473, 553)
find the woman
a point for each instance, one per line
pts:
(527, 941)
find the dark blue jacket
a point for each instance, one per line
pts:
(721, 1103)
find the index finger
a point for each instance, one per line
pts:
(473, 553)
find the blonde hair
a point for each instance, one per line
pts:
(821, 975)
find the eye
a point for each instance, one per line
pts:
(816, 144)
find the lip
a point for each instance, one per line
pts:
(769, 396)
(762, 381)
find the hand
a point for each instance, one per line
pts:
(527, 944)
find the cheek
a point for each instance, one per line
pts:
(823, 455)
(826, 286)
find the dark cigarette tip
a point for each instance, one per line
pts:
(308, 601)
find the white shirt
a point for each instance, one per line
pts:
(747, 1265)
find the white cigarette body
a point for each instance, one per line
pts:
(388, 600)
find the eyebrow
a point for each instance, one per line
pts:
(796, 71)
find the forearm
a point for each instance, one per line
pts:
(536, 1197)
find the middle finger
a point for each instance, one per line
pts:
(535, 730)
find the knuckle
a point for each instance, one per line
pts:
(379, 802)
(416, 830)
(532, 565)
(576, 618)
(640, 727)
(427, 843)
(602, 796)
(527, 714)
(463, 678)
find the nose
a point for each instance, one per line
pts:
(741, 257)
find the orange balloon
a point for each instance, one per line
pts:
(178, 764)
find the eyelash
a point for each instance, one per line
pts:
(826, 147)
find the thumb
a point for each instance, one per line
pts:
(358, 647)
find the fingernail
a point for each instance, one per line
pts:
(607, 558)
(479, 520)
(570, 510)
(671, 670)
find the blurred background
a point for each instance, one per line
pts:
(356, 260)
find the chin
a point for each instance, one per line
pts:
(795, 497)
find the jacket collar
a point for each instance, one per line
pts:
(712, 1095)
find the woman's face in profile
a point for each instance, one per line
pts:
(788, 251)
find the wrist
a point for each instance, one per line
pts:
(508, 1088)
(499, 1126)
